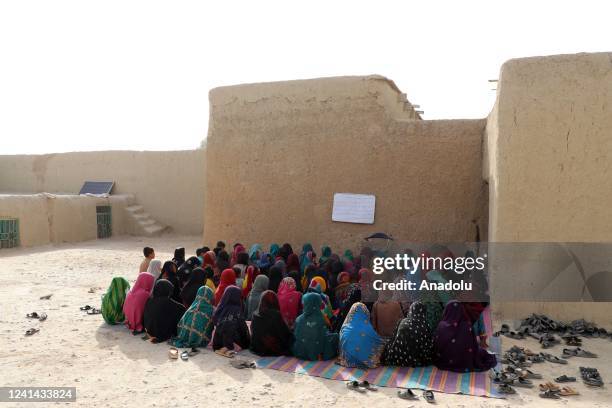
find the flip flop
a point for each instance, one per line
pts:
(32, 331)
(568, 391)
(173, 353)
(552, 386)
(429, 396)
(42, 317)
(564, 378)
(32, 315)
(406, 394)
(505, 389)
(583, 353)
(365, 384)
(522, 382)
(354, 386)
(83, 308)
(554, 359)
(549, 394)
(94, 311)
(240, 364)
(531, 374)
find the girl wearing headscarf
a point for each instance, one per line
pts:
(168, 273)
(276, 276)
(264, 262)
(196, 327)
(209, 276)
(179, 256)
(260, 285)
(290, 301)
(112, 301)
(161, 313)
(412, 341)
(155, 267)
(255, 252)
(231, 328)
(306, 258)
(242, 261)
(348, 255)
(222, 264)
(360, 345)
(312, 339)
(285, 251)
(274, 250)
(238, 248)
(209, 259)
(341, 291)
(455, 345)
(387, 313)
(318, 286)
(228, 278)
(270, 335)
(197, 279)
(354, 296)
(293, 263)
(249, 278)
(295, 275)
(135, 301)
(325, 254)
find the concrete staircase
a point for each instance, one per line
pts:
(142, 222)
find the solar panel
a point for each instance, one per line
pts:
(97, 187)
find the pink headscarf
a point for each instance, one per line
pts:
(289, 300)
(237, 249)
(136, 299)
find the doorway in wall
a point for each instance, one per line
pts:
(9, 232)
(105, 221)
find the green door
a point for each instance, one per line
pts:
(9, 232)
(105, 221)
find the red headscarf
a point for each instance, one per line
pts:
(136, 299)
(228, 278)
(209, 259)
(290, 300)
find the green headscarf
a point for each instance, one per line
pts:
(348, 254)
(312, 339)
(274, 248)
(195, 327)
(112, 301)
(325, 254)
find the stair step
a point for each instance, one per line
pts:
(141, 216)
(154, 229)
(135, 209)
(147, 222)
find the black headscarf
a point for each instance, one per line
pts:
(298, 280)
(179, 256)
(354, 296)
(162, 314)
(168, 273)
(197, 279)
(412, 342)
(276, 276)
(285, 251)
(270, 335)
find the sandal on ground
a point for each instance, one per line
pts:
(84, 308)
(429, 396)
(32, 331)
(549, 394)
(32, 315)
(365, 384)
(94, 311)
(564, 378)
(522, 382)
(185, 355)
(354, 385)
(240, 364)
(193, 351)
(226, 352)
(583, 353)
(531, 374)
(505, 389)
(554, 359)
(406, 394)
(568, 391)
(173, 353)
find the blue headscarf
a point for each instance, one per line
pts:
(255, 248)
(304, 260)
(360, 345)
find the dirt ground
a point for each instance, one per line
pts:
(110, 367)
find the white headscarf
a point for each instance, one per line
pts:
(155, 268)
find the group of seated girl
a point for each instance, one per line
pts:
(297, 304)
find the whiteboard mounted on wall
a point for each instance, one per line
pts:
(354, 208)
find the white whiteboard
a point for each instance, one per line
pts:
(355, 208)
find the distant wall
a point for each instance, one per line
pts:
(549, 159)
(170, 185)
(45, 219)
(277, 152)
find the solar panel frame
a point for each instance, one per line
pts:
(97, 187)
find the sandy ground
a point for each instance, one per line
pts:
(110, 367)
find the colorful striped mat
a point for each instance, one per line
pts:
(431, 378)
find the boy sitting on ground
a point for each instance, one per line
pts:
(149, 255)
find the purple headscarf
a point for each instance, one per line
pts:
(230, 307)
(455, 345)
